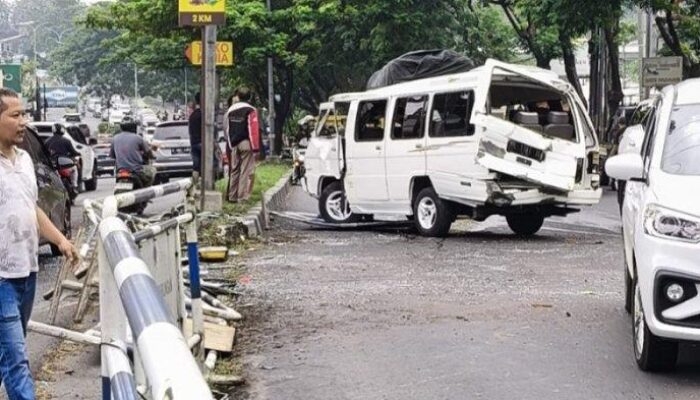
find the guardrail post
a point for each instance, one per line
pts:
(195, 288)
(171, 370)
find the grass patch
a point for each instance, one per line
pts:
(266, 176)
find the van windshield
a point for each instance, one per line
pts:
(682, 149)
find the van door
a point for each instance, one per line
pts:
(405, 147)
(365, 179)
(323, 153)
(451, 145)
(520, 151)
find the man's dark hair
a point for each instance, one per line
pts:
(229, 102)
(4, 92)
(197, 98)
(243, 93)
(58, 129)
(128, 127)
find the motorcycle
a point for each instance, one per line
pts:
(127, 181)
(66, 170)
(299, 170)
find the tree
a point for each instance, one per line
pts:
(536, 34)
(678, 22)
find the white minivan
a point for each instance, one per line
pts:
(501, 139)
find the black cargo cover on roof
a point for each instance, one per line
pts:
(419, 64)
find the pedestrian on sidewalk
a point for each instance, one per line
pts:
(20, 227)
(194, 126)
(243, 135)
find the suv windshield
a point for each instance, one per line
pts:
(682, 148)
(172, 132)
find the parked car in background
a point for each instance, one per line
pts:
(87, 162)
(661, 227)
(115, 117)
(148, 133)
(71, 118)
(53, 196)
(105, 163)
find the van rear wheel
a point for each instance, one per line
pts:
(432, 215)
(525, 224)
(334, 206)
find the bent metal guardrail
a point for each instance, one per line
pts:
(130, 298)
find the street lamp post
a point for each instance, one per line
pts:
(37, 94)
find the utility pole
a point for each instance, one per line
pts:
(136, 82)
(208, 97)
(271, 96)
(186, 89)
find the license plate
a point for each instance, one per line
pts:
(126, 186)
(181, 150)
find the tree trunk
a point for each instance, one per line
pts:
(615, 95)
(570, 64)
(283, 107)
(593, 88)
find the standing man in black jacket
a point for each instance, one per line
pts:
(194, 124)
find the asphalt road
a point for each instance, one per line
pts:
(481, 314)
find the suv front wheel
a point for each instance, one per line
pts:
(651, 352)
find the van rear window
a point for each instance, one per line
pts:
(371, 116)
(451, 113)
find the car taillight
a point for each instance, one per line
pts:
(64, 172)
(123, 173)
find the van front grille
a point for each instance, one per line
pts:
(525, 150)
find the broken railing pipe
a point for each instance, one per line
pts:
(143, 195)
(156, 229)
(169, 366)
(121, 378)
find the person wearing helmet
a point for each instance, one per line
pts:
(59, 146)
(132, 153)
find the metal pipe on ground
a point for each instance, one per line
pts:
(61, 333)
(156, 229)
(229, 315)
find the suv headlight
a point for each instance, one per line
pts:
(669, 224)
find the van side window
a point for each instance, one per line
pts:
(451, 114)
(409, 115)
(370, 121)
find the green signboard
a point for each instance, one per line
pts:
(12, 77)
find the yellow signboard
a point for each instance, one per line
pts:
(202, 12)
(224, 53)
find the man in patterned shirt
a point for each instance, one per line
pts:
(21, 223)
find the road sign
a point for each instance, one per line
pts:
(224, 53)
(661, 71)
(11, 77)
(201, 12)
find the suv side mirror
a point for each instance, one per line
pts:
(631, 141)
(92, 141)
(625, 167)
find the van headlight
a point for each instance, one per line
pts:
(669, 224)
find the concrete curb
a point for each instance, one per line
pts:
(257, 218)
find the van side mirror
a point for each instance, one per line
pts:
(625, 167)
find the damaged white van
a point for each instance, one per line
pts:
(500, 139)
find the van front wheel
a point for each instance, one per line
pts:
(334, 206)
(432, 216)
(525, 224)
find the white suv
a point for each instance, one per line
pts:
(661, 227)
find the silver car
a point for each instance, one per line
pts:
(172, 153)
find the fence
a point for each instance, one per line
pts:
(143, 302)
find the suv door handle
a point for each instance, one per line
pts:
(419, 146)
(377, 147)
